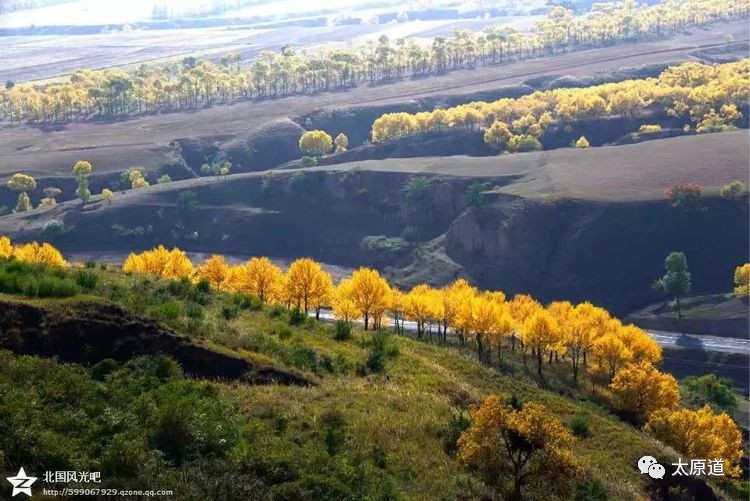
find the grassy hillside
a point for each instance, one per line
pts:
(359, 429)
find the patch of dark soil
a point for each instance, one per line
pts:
(679, 487)
(89, 332)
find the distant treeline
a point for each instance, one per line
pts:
(191, 83)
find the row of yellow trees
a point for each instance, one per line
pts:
(623, 355)
(560, 330)
(707, 95)
(192, 83)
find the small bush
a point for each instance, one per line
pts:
(514, 401)
(650, 129)
(230, 311)
(308, 161)
(87, 280)
(284, 332)
(375, 362)
(246, 301)
(457, 424)
(54, 227)
(579, 425)
(734, 191)
(56, 287)
(333, 423)
(195, 311)
(297, 317)
(342, 330)
(304, 357)
(277, 311)
(168, 310)
(203, 286)
(590, 490)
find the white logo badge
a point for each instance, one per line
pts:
(649, 464)
(21, 483)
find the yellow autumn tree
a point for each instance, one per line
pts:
(419, 306)
(540, 333)
(107, 195)
(639, 389)
(700, 434)
(6, 248)
(368, 291)
(582, 142)
(177, 265)
(641, 345)
(261, 278)
(343, 306)
(582, 331)
(33, 252)
(23, 184)
(341, 142)
(215, 271)
(315, 142)
(308, 285)
(521, 454)
(611, 354)
(742, 280)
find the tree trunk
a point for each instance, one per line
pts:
(539, 362)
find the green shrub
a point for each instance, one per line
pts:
(297, 317)
(203, 286)
(514, 401)
(277, 311)
(284, 332)
(230, 311)
(53, 228)
(457, 424)
(87, 280)
(333, 422)
(375, 362)
(304, 357)
(734, 191)
(195, 311)
(246, 301)
(590, 490)
(56, 287)
(167, 310)
(579, 425)
(309, 161)
(712, 390)
(342, 330)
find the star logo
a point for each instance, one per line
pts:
(21, 483)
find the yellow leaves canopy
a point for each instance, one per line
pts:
(700, 434)
(641, 389)
(504, 443)
(742, 280)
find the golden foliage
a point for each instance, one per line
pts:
(693, 91)
(700, 434)
(641, 389)
(502, 443)
(33, 252)
(742, 280)
(315, 142)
